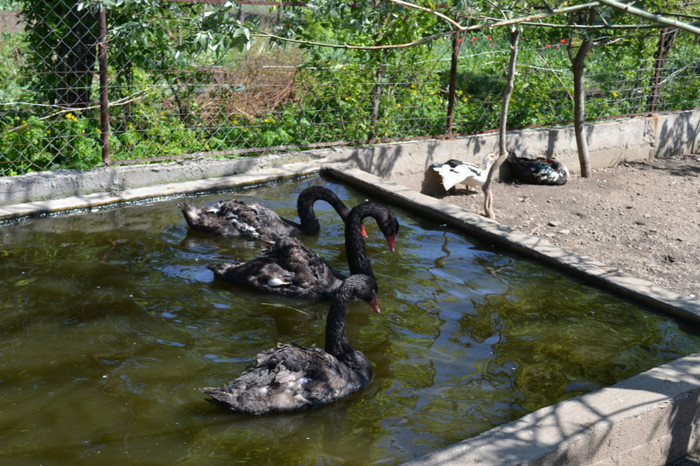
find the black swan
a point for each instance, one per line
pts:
(290, 377)
(454, 172)
(537, 171)
(254, 221)
(289, 268)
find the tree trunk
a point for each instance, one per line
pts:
(452, 91)
(488, 195)
(578, 65)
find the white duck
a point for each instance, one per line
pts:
(454, 172)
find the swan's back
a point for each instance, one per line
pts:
(289, 378)
(237, 218)
(286, 268)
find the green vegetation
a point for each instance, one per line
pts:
(190, 85)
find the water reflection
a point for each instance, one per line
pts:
(110, 321)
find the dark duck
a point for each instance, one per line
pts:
(289, 268)
(537, 171)
(290, 377)
(234, 217)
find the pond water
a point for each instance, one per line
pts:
(110, 321)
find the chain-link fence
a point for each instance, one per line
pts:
(155, 81)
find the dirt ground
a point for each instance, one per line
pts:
(643, 218)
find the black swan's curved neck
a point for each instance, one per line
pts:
(305, 207)
(358, 261)
(337, 342)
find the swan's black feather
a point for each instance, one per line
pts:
(537, 171)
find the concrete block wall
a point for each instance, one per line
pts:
(610, 142)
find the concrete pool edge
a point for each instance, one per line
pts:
(647, 419)
(99, 199)
(650, 417)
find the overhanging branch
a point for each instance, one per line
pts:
(650, 16)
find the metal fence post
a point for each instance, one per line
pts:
(104, 94)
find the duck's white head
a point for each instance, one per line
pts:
(489, 159)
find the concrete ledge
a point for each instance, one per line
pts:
(30, 209)
(42, 186)
(610, 142)
(645, 420)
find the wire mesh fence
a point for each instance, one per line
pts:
(150, 81)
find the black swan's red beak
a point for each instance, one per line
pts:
(391, 240)
(374, 303)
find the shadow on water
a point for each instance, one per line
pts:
(111, 320)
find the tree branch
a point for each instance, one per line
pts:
(457, 26)
(650, 16)
(356, 47)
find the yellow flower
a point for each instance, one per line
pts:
(614, 94)
(413, 86)
(206, 147)
(459, 92)
(235, 122)
(398, 105)
(534, 106)
(267, 120)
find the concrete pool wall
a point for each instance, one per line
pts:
(609, 143)
(649, 419)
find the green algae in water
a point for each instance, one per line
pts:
(110, 321)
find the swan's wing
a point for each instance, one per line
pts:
(253, 220)
(286, 268)
(286, 378)
(205, 219)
